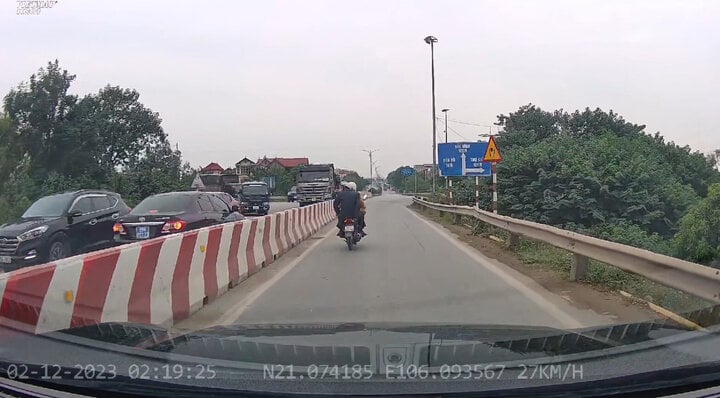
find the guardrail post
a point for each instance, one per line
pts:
(457, 219)
(513, 242)
(579, 267)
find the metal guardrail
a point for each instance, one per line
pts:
(694, 279)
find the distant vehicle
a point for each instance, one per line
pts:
(255, 198)
(58, 226)
(316, 183)
(292, 194)
(169, 213)
(227, 198)
(234, 189)
(226, 182)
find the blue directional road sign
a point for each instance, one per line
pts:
(462, 159)
(408, 171)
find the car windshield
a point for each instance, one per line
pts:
(312, 176)
(255, 190)
(49, 206)
(322, 197)
(164, 204)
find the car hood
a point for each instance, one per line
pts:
(446, 343)
(620, 356)
(21, 225)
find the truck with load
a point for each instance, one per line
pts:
(316, 183)
(227, 182)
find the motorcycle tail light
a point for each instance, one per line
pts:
(349, 221)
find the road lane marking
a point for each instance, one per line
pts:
(234, 313)
(566, 320)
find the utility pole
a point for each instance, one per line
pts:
(370, 152)
(431, 40)
(448, 181)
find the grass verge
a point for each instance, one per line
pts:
(604, 277)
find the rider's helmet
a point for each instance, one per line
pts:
(345, 184)
(352, 186)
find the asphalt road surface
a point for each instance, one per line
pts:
(276, 207)
(407, 269)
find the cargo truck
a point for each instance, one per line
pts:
(316, 183)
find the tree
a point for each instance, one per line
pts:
(161, 170)
(361, 182)
(38, 111)
(118, 129)
(407, 183)
(699, 237)
(51, 141)
(593, 168)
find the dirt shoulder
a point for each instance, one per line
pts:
(580, 295)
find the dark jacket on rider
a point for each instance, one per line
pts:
(347, 205)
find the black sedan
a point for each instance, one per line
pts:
(169, 213)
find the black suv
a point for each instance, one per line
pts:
(61, 225)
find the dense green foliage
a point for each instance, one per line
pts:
(407, 184)
(699, 236)
(53, 141)
(593, 172)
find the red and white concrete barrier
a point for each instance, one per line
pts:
(159, 281)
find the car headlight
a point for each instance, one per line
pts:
(266, 203)
(33, 233)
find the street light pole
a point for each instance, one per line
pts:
(370, 152)
(431, 40)
(445, 111)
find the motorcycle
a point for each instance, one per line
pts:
(352, 234)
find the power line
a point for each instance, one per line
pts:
(458, 134)
(471, 124)
(454, 131)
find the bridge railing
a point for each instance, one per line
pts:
(694, 279)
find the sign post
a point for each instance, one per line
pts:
(464, 159)
(493, 155)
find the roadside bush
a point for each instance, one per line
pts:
(633, 235)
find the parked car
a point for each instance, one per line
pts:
(59, 226)
(169, 213)
(292, 194)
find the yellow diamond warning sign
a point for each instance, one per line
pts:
(492, 153)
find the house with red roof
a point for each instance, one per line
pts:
(285, 163)
(212, 168)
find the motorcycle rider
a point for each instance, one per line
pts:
(346, 205)
(363, 210)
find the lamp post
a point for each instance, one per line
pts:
(431, 40)
(370, 152)
(445, 111)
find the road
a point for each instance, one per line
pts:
(276, 207)
(408, 269)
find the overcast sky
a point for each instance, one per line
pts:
(326, 79)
